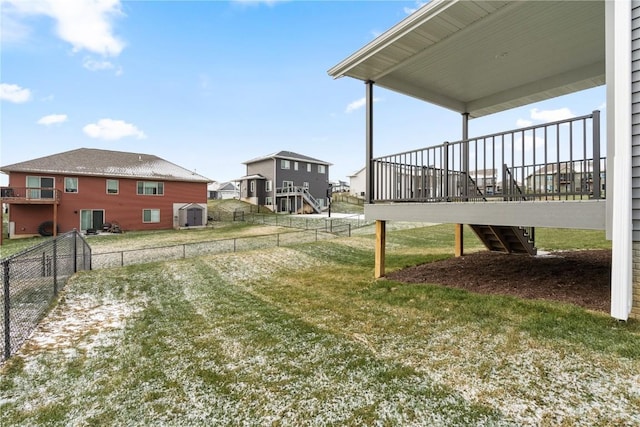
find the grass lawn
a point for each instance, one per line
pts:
(303, 335)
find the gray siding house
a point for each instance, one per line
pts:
(477, 58)
(286, 182)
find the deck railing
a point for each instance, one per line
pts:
(553, 161)
(29, 195)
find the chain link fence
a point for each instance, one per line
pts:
(31, 282)
(306, 222)
(238, 244)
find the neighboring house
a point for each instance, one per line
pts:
(286, 182)
(566, 177)
(339, 186)
(86, 188)
(223, 190)
(357, 183)
(477, 58)
(485, 180)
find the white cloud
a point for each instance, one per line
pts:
(110, 130)
(523, 123)
(356, 105)
(551, 115)
(94, 65)
(14, 93)
(85, 24)
(52, 119)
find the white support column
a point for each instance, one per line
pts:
(618, 44)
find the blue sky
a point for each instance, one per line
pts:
(210, 84)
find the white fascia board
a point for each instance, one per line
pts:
(414, 20)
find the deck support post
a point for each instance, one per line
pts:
(465, 156)
(459, 228)
(381, 237)
(459, 231)
(368, 195)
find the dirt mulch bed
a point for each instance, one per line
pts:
(576, 277)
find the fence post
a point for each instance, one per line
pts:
(75, 250)
(55, 266)
(234, 244)
(7, 321)
(121, 258)
(349, 228)
(278, 239)
(316, 234)
(184, 251)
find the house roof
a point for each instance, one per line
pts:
(255, 176)
(94, 162)
(287, 155)
(482, 57)
(223, 186)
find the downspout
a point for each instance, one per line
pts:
(618, 43)
(369, 194)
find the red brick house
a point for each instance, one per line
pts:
(86, 188)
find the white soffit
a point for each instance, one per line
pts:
(483, 57)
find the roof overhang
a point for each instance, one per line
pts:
(483, 57)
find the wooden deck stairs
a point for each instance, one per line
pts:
(507, 239)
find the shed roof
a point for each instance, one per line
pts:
(287, 155)
(116, 164)
(482, 57)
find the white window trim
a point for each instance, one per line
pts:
(65, 184)
(149, 182)
(117, 181)
(285, 164)
(151, 221)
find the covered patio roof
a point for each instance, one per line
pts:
(483, 57)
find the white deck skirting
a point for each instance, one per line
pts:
(579, 214)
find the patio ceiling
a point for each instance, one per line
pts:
(482, 57)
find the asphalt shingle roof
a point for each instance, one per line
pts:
(288, 155)
(95, 162)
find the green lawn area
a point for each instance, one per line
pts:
(303, 335)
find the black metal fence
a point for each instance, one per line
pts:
(327, 224)
(31, 282)
(187, 250)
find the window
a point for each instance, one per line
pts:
(287, 186)
(308, 167)
(295, 166)
(91, 218)
(305, 185)
(42, 187)
(252, 186)
(150, 188)
(151, 215)
(268, 201)
(268, 186)
(321, 169)
(113, 186)
(285, 164)
(71, 185)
